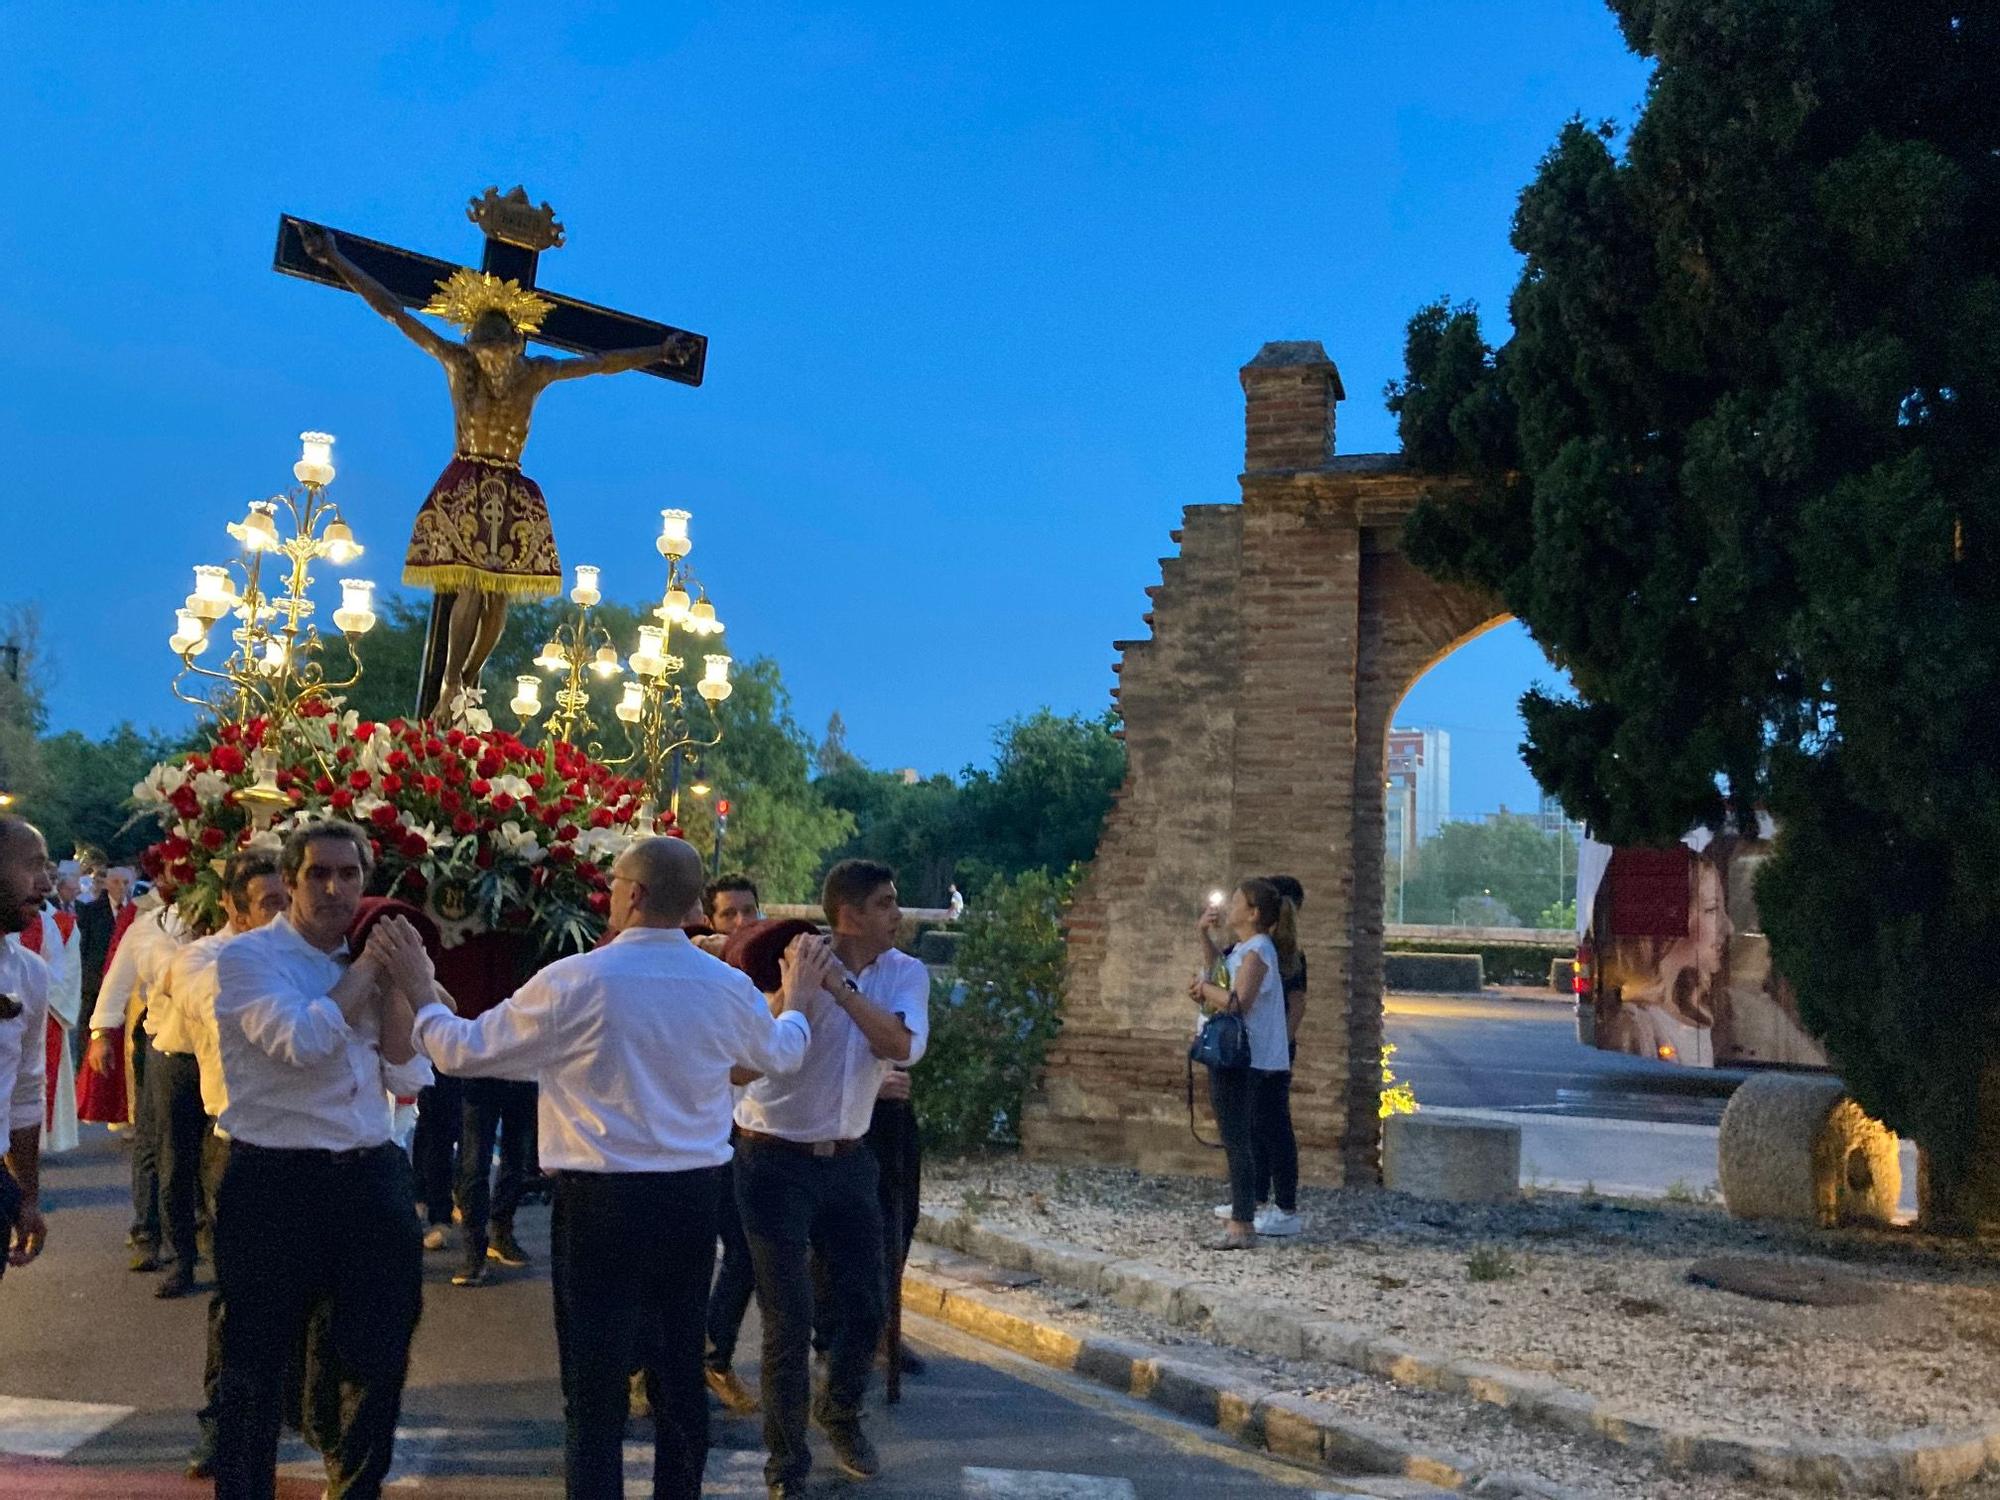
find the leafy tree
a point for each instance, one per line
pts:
(22, 712)
(916, 827)
(1496, 873)
(992, 1022)
(87, 799)
(832, 756)
(1738, 470)
(1042, 806)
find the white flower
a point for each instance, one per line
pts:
(161, 783)
(600, 846)
(520, 842)
(433, 836)
(270, 841)
(514, 786)
(365, 805)
(210, 787)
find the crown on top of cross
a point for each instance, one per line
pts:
(514, 221)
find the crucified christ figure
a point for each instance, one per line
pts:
(483, 532)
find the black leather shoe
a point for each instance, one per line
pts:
(179, 1282)
(852, 1450)
(506, 1249)
(473, 1273)
(146, 1258)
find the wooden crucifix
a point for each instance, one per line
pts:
(483, 536)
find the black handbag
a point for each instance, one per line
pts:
(1223, 1043)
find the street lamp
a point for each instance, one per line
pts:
(576, 651)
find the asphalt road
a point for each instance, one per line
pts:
(98, 1381)
(1471, 1052)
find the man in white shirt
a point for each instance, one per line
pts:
(315, 1207)
(253, 894)
(24, 1010)
(138, 966)
(632, 1044)
(805, 1178)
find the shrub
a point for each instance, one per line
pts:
(991, 1023)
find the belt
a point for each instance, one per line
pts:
(803, 1148)
(318, 1155)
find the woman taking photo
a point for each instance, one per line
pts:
(1253, 1105)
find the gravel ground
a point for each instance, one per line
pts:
(1591, 1291)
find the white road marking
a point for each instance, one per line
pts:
(53, 1429)
(731, 1471)
(1028, 1484)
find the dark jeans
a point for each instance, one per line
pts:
(1253, 1110)
(795, 1205)
(434, 1152)
(892, 1137)
(630, 1254)
(180, 1125)
(735, 1279)
(502, 1107)
(298, 1231)
(214, 1157)
(145, 1145)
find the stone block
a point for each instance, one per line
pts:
(1797, 1148)
(1292, 1427)
(1338, 1343)
(1110, 1361)
(1143, 1288)
(1451, 1160)
(1933, 1458)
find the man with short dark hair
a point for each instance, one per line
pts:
(24, 1008)
(633, 1044)
(315, 1201)
(805, 1178)
(731, 903)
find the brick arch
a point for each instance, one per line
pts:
(1284, 631)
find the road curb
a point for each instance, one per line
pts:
(1919, 1461)
(1289, 1426)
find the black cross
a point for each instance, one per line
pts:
(579, 327)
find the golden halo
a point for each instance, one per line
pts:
(465, 296)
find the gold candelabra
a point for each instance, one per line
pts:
(653, 708)
(274, 665)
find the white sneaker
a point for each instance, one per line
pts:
(1274, 1221)
(438, 1237)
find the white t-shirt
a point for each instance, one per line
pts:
(1270, 1047)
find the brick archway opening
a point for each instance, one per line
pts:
(1286, 629)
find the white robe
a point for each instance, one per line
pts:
(65, 961)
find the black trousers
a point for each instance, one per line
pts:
(145, 1144)
(630, 1254)
(434, 1151)
(1253, 1111)
(180, 1126)
(214, 1157)
(493, 1107)
(794, 1206)
(899, 1167)
(735, 1279)
(300, 1233)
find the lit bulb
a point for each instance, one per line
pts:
(674, 608)
(701, 619)
(632, 704)
(553, 658)
(714, 684)
(527, 696)
(585, 593)
(652, 644)
(257, 531)
(606, 663)
(213, 594)
(356, 614)
(275, 655)
(701, 788)
(315, 465)
(339, 544)
(674, 542)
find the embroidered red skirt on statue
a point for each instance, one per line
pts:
(105, 1098)
(484, 526)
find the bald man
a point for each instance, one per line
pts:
(632, 1044)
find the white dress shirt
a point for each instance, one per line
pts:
(632, 1044)
(24, 1058)
(832, 1095)
(191, 988)
(296, 1073)
(138, 967)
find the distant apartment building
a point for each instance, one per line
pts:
(1418, 795)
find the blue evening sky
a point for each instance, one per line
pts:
(978, 284)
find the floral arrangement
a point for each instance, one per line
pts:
(482, 830)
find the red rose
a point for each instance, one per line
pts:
(341, 799)
(174, 848)
(227, 758)
(454, 738)
(433, 785)
(491, 765)
(600, 901)
(397, 760)
(383, 816)
(391, 784)
(550, 816)
(481, 787)
(537, 780)
(358, 780)
(228, 733)
(185, 802)
(414, 845)
(323, 784)
(601, 818)
(565, 833)
(212, 837)
(449, 800)
(465, 823)
(433, 746)
(181, 873)
(483, 857)
(503, 803)
(343, 755)
(454, 772)
(364, 730)
(395, 726)
(375, 848)
(413, 882)
(197, 763)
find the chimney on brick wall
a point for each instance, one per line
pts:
(1289, 392)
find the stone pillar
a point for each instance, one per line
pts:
(1289, 393)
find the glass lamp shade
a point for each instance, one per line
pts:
(674, 541)
(701, 788)
(356, 614)
(585, 593)
(257, 531)
(339, 545)
(553, 658)
(315, 465)
(276, 656)
(190, 637)
(605, 664)
(714, 684)
(527, 696)
(701, 618)
(674, 608)
(646, 661)
(214, 593)
(632, 705)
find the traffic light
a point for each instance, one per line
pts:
(722, 807)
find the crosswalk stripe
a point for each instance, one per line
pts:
(730, 1471)
(53, 1429)
(1029, 1484)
